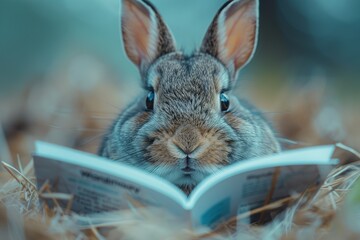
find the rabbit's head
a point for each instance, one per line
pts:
(187, 124)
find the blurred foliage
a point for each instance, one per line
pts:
(297, 38)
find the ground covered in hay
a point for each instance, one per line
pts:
(71, 116)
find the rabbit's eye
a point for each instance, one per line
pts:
(224, 102)
(150, 100)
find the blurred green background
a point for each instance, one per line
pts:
(77, 44)
(298, 39)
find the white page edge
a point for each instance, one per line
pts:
(98, 163)
(249, 165)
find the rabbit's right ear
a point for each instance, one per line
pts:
(145, 35)
(232, 35)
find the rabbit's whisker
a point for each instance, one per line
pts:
(76, 128)
(102, 118)
(90, 139)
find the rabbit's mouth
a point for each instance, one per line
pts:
(188, 175)
(188, 169)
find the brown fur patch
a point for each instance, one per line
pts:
(158, 152)
(233, 120)
(141, 118)
(217, 150)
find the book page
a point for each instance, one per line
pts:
(99, 184)
(245, 185)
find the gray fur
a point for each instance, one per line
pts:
(187, 116)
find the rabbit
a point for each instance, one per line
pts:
(187, 124)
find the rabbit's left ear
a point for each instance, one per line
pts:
(232, 36)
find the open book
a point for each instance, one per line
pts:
(101, 185)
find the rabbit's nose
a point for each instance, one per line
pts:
(187, 139)
(184, 149)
